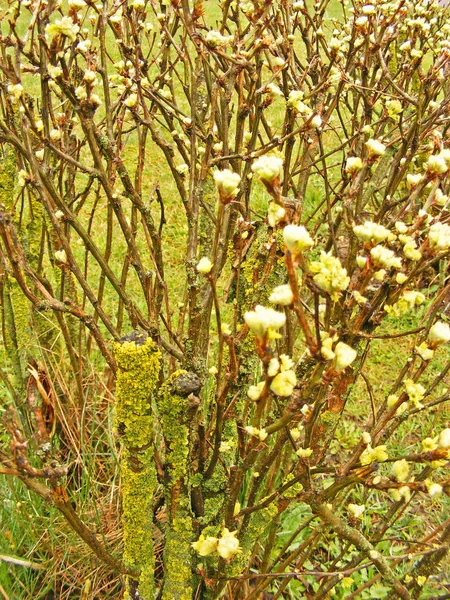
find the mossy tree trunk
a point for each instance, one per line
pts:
(15, 306)
(138, 376)
(178, 404)
(138, 362)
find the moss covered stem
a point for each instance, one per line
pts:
(177, 405)
(138, 363)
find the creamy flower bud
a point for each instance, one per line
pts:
(131, 100)
(366, 437)
(371, 232)
(205, 546)
(405, 493)
(413, 179)
(273, 90)
(444, 438)
(80, 92)
(227, 182)
(330, 275)
(371, 455)
(386, 258)
(83, 46)
(55, 135)
(275, 214)
(284, 383)
(90, 76)
(282, 294)
(400, 470)
(434, 489)
(225, 447)
(54, 71)
(401, 227)
(375, 148)
(424, 351)
(262, 434)
(440, 198)
(304, 452)
(394, 108)
(344, 355)
(204, 266)
(268, 167)
(356, 510)
(265, 320)
(95, 100)
(65, 27)
(228, 545)
(436, 165)
(429, 444)
(353, 164)
(225, 329)
(361, 261)
(286, 362)
(297, 238)
(415, 391)
(215, 38)
(326, 349)
(445, 154)
(22, 177)
(274, 367)
(439, 236)
(15, 91)
(254, 391)
(295, 433)
(360, 299)
(182, 168)
(253, 431)
(380, 275)
(61, 256)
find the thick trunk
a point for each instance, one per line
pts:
(138, 363)
(177, 404)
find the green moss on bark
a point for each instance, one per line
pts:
(137, 378)
(8, 171)
(15, 306)
(177, 411)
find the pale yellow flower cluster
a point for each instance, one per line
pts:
(216, 39)
(356, 510)
(265, 321)
(439, 236)
(268, 167)
(227, 546)
(259, 433)
(297, 238)
(407, 302)
(415, 391)
(385, 258)
(65, 27)
(342, 354)
(282, 294)
(377, 454)
(330, 275)
(371, 232)
(227, 183)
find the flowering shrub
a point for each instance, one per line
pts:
(173, 169)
